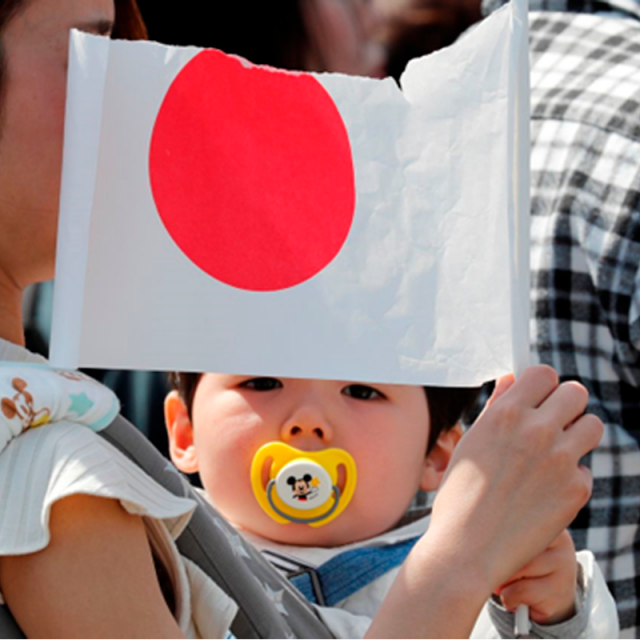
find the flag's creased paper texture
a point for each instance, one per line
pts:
(419, 285)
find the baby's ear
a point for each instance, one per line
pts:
(437, 461)
(180, 431)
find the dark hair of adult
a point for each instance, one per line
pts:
(272, 33)
(447, 405)
(423, 27)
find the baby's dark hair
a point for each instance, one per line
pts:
(447, 405)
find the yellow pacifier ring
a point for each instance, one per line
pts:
(302, 486)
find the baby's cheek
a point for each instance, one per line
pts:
(225, 467)
(229, 443)
(383, 494)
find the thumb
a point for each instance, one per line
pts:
(502, 385)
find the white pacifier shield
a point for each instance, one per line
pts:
(302, 493)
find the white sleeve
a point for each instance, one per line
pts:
(48, 464)
(603, 615)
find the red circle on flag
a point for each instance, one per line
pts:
(251, 172)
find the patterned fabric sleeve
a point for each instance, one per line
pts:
(34, 395)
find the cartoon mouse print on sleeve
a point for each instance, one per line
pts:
(21, 406)
(34, 395)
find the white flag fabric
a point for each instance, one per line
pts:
(221, 216)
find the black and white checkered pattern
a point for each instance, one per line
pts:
(585, 256)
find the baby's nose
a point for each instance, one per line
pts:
(306, 434)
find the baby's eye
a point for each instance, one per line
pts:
(362, 392)
(262, 384)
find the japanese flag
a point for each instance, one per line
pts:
(221, 216)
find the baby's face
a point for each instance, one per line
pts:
(385, 428)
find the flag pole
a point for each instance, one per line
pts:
(520, 259)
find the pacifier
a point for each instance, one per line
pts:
(302, 486)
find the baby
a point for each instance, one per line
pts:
(379, 444)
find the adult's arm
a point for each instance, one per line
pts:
(96, 578)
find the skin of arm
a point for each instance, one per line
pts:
(96, 578)
(434, 596)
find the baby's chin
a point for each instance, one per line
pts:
(340, 532)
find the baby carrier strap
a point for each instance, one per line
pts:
(269, 607)
(349, 572)
(8, 626)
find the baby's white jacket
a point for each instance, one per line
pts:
(596, 615)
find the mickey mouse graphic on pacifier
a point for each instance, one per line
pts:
(302, 486)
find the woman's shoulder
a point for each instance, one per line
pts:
(49, 463)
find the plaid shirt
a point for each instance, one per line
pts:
(585, 258)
